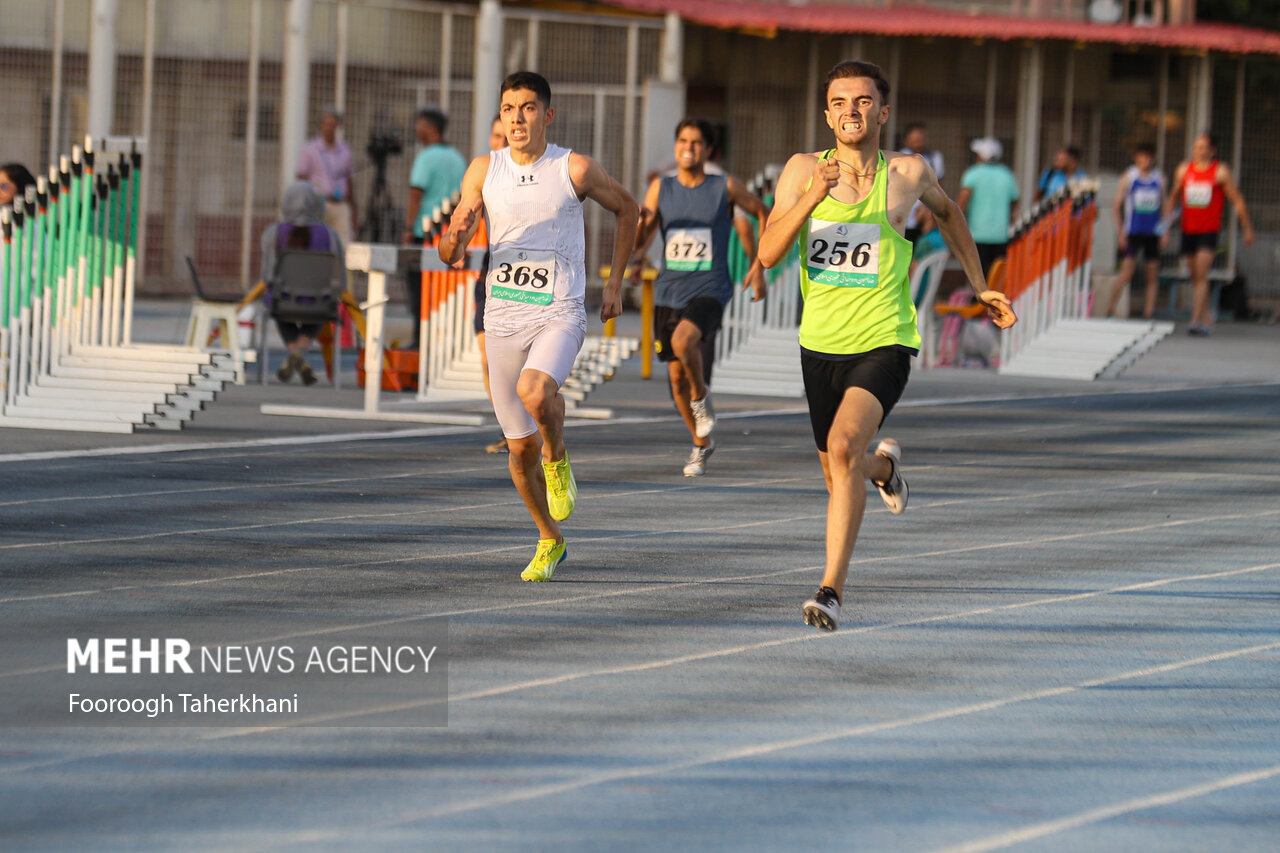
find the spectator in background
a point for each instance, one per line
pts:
(914, 141)
(14, 180)
(301, 227)
(436, 176)
(989, 199)
(1139, 201)
(1064, 169)
(325, 162)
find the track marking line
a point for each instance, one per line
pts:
(1036, 831)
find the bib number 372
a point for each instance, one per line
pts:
(843, 254)
(523, 276)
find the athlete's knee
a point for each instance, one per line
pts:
(538, 394)
(685, 339)
(524, 453)
(845, 453)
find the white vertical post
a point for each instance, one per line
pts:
(143, 179)
(297, 83)
(597, 152)
(1030, 102)
(532, 47)
(374, 307)
(672, 51)
(340, 59)
(1199, 107)
(446, 59)
(102, 67)
(250, 146)
(55, 89)
(488, 74)
(629, 177)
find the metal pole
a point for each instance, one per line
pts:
(810, 87)
(629, 178)
(340, 61)
(102, 67)
(895, 67)
(533, 48)
(488, 74)
(55, 89)
(672, 50)
(250, 146)
(297, 82)
(446, 60)
(1030, 103)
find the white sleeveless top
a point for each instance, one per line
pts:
(537, 267)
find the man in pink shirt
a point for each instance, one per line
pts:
(325, 161)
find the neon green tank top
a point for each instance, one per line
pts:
(853, 276)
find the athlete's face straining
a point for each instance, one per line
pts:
(524, 118)
(853, 109)
(691, 148)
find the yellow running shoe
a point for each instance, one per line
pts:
(562, 490)
(543, 565)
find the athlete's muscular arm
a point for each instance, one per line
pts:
(593, 182)
(1232, 192)
(751, 203)
(804, 183)
(644, 232)
(955, 232)
(466, 217)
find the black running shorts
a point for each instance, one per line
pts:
(1192, 243)
(704, 312)
(883, 372)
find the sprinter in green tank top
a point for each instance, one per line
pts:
(847, 208)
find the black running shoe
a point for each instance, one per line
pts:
(823, 610)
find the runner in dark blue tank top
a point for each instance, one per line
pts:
(1139, 199)
(694, 212)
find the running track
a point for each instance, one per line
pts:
(1070, 641)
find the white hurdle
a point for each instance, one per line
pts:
(758, 348)
(66, 358)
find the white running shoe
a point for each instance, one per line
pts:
(823, 610)
(704, 419)
(697, 464)
(894, 491)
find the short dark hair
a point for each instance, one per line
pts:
(531, 80)
(703, 126)
(20, 176)
(914, 126)
(856, 68)
(1209, 137)
(1072, 152)
(1145, 148)
(438, 119)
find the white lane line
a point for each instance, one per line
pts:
(1075, 821)
(766, 748)
(338, 438)
(803, 636)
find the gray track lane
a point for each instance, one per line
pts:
(1069, 641)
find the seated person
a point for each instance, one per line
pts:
(14, 179)
(302, 227)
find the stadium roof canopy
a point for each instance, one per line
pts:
(904, 20)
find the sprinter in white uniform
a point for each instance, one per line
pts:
(531, 194)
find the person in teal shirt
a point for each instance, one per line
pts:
(989, 199)
(436, 176)
(437, 172)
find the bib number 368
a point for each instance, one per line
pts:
(522, 276)
(843, 254)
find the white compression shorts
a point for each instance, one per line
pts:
(550, 348)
